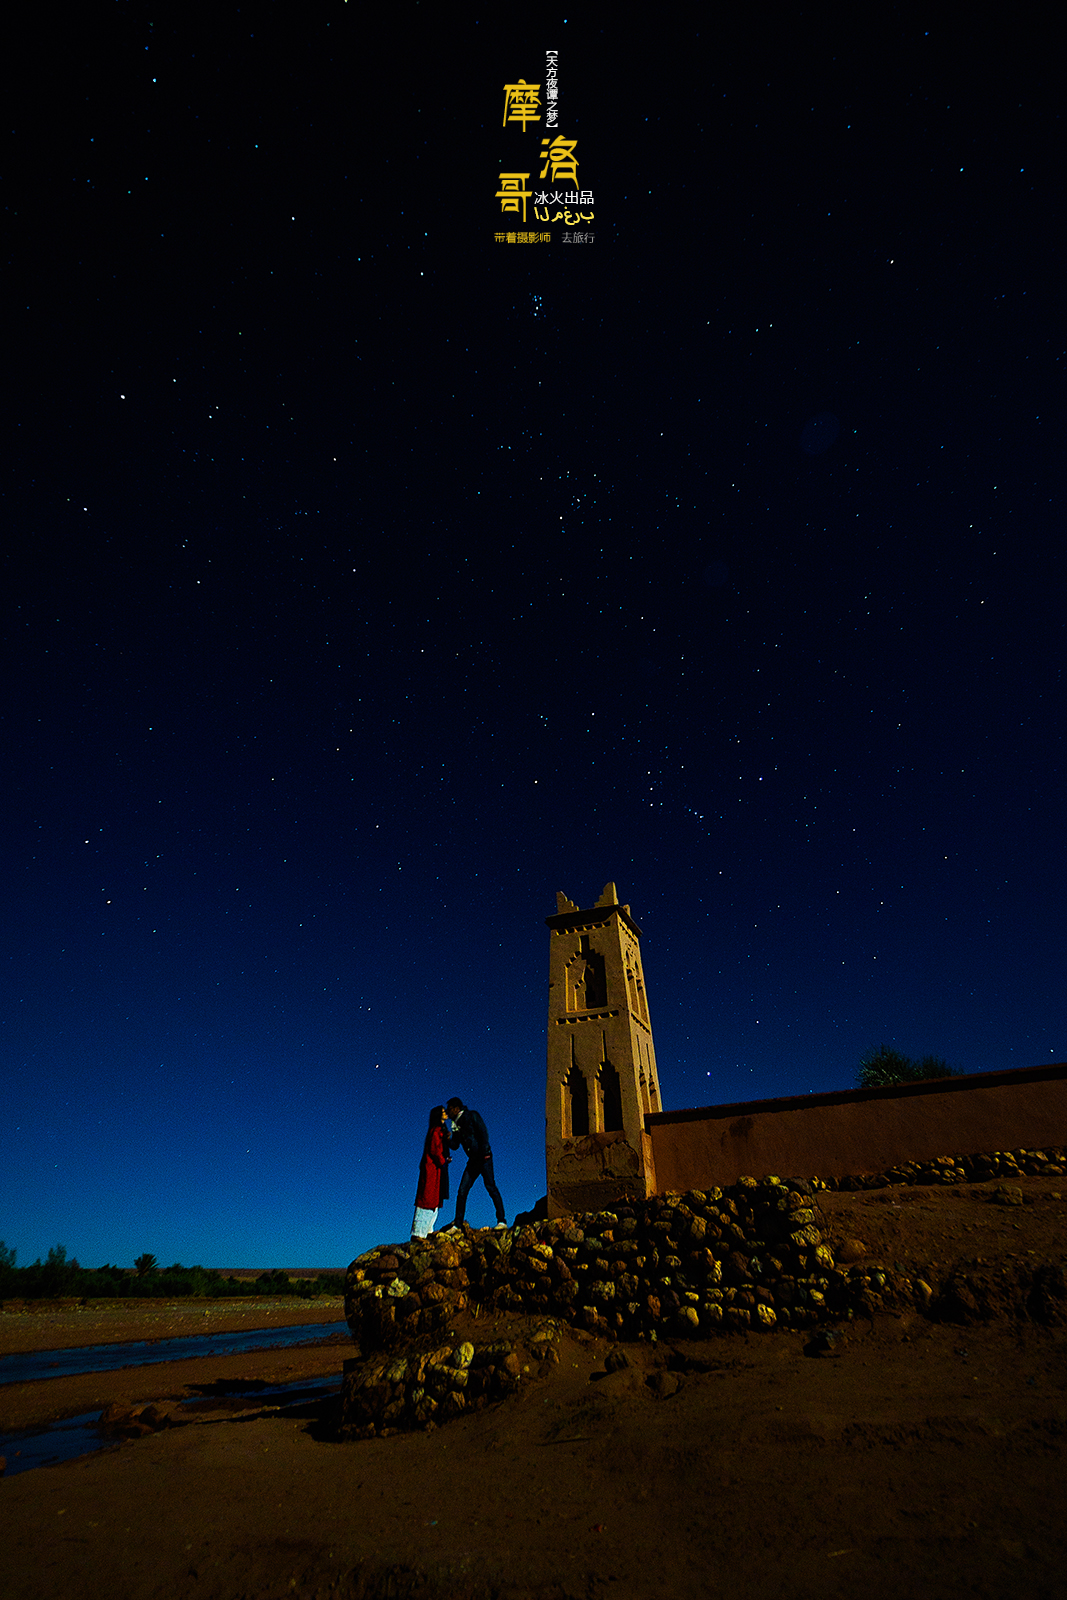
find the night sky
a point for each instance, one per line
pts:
(367, 580)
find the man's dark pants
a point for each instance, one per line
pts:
(484, 1170)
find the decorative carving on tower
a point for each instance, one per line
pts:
(602, 1078)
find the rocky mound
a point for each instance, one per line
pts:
(1050, 1162)
(752, 1257)
(422, 1389)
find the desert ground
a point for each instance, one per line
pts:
(913, 1457)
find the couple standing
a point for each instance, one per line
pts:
(468, 1130)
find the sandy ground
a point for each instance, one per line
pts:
(117, 1321)
(917, 1459)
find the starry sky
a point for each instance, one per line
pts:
(367, 580)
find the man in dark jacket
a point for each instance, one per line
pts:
(470, 1131)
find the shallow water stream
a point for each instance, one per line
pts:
(35, 1364)
(79, 1436)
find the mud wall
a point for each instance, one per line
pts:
(597, 1172)
(859, 1130)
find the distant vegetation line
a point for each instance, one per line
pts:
(61, 1278)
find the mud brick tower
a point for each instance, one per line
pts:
(602, 1078)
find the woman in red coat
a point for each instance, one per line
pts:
(433, 1175)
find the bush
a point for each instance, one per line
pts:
(275, 1282)
(8, 1270)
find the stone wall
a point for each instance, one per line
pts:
(747, 1258)
(425, 1388)
(860, 1130)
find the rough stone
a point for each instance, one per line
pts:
(664, 1384)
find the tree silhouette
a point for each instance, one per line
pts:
(881, 1068)
(144, 1265)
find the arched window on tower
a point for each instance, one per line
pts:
(648, 1082)
(588, 978)
(610, 1097)
(642, 1003)
(631, 984)
(575, 1105)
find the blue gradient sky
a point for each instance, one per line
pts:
(369, 582)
